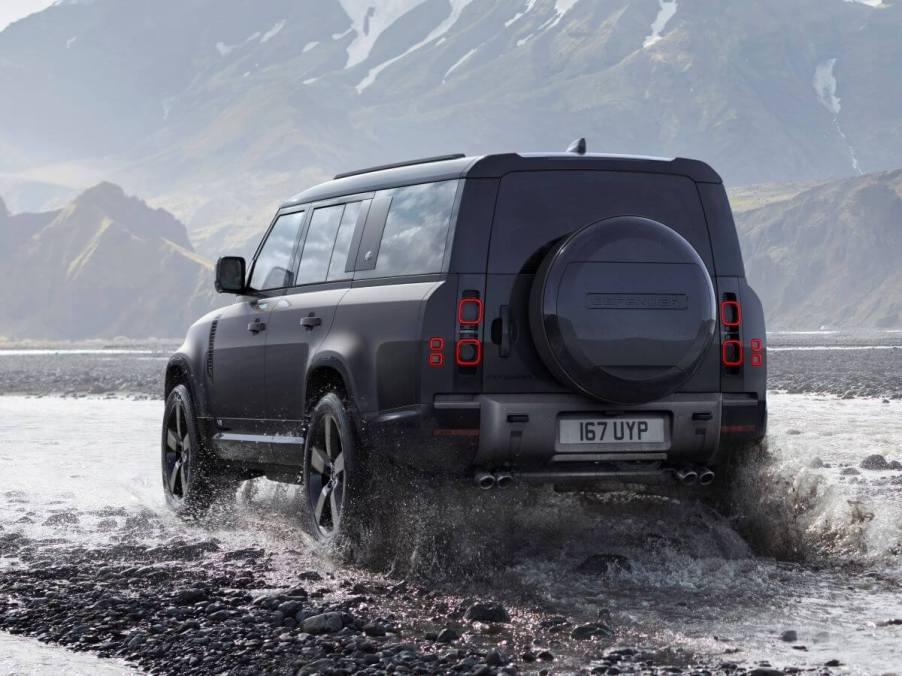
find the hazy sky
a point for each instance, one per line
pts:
(11, 10)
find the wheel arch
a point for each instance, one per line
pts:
(326, 373)
(179, 372)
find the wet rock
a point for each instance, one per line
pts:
(587, 631)
(850, 471)
(188, 597)
(62, 519)
(495, 658)
(895, 464)
(322, 666)
(874, 461)
(447, 635)
(766, 671)
(487, 612)
(545, 656)
(793, 432)
(324, 623)
(889, 623)
(832, 663)
(816, 463)
(602, 564)
(374, 629)
(310, 575)
(789, 636)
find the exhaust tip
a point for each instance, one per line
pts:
(504, 480)
(687, 477)
(484, 480)
(706, 477)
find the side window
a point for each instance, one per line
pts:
(272, 270)
(343, 242)
(416, 230)
(318, 245)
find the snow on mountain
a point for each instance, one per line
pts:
(457, 6)
(825, 86)
(369, 20)
(666, 12)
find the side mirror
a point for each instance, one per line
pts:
(230, 272)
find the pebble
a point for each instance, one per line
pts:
(487, 612)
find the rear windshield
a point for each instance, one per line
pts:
(539, 207)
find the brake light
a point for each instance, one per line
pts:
(468, 347)
(731, 355)
(731, 352)
(469, 311)
(730, 313)
(468, 352)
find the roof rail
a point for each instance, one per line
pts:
(408, 163)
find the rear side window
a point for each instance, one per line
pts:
(339, 262)
(272, 269)
(414, 231)
(318, 245)
(536, 208)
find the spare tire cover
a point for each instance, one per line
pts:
(623, 310)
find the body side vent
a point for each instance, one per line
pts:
(210, 345)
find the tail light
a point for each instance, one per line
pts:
(436, 356)
(731, 355)
(468, 347)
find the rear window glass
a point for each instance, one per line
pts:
(415, 232)
(343, 242)
(318, 244)
(539, 207)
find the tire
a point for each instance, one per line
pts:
(192, 480)
(334, 485)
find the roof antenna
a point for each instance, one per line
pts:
(578, 147)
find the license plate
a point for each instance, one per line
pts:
(613, 430)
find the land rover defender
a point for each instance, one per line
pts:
(565, 318)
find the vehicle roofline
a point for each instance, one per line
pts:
(497, 166)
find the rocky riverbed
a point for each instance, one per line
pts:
(804, 575)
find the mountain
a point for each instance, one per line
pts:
(105, 265)
(218, 110)
(829, 255)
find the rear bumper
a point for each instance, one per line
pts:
(519, 432)
(522, 430)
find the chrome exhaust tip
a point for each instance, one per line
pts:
(687, 477)
(503, 480)
(706, 477)
(485, 480)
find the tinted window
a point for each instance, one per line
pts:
(318, 245)
(273, 267)
(343, 242)
(538, 207)
(416, 230)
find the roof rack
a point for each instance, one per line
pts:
(408, 163)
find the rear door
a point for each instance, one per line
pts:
(301, 319)
(534, 212)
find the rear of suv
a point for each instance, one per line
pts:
(565, 318)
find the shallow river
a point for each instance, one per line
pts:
(814, 548)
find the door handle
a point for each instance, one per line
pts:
(256, 326)
(311, 321)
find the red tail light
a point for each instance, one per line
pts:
(468, 352)
(436, 356)
(731, 352)
(730, 313)
(468, 347)
(469, 311)
(757, 356)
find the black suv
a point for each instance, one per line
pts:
(566, 318)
